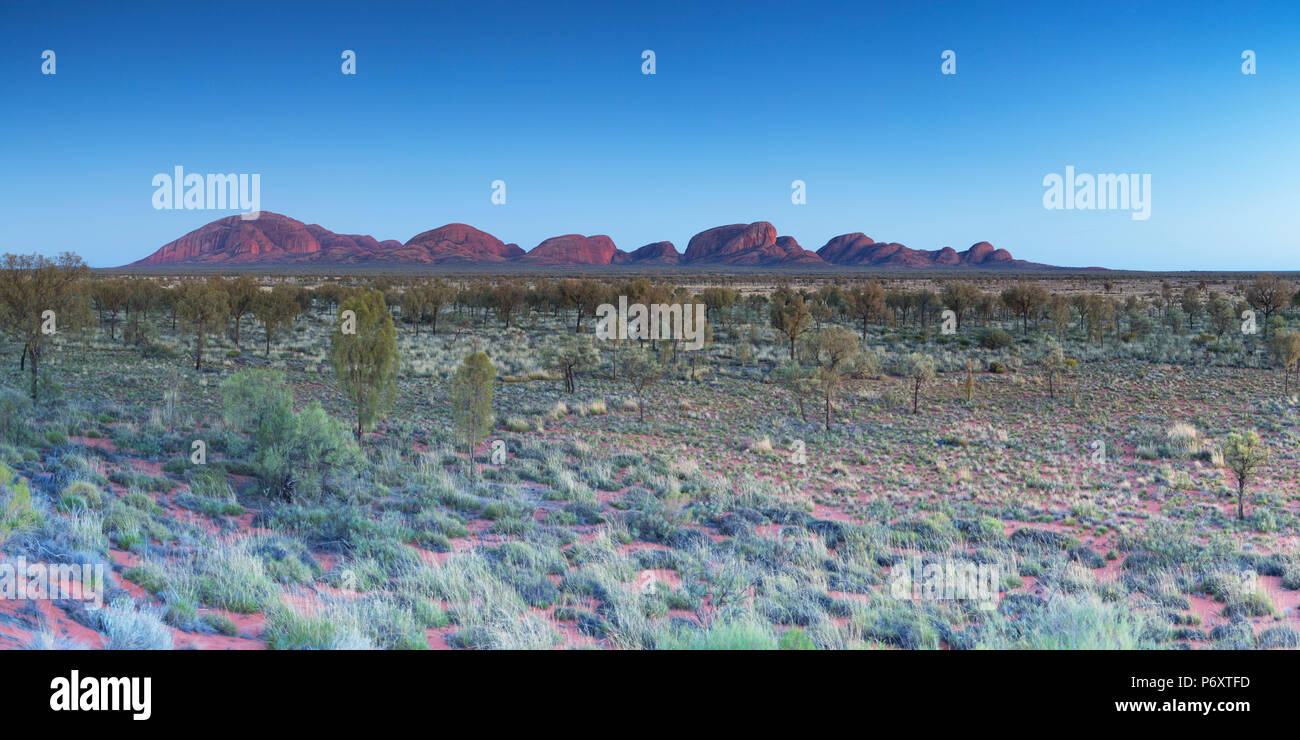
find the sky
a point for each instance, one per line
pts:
(747, 97)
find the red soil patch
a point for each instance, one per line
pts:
(103, 443)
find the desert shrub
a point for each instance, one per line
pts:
(994, 338)
(1164, 544)
(983, 529)
(16, 418)
(1069, 623)
(527, 633)
(132, 525)
(904, 624)
(76, 534)
(231, 577)
(16, 511)
(128, 479)
(176, 465)
(1182, 439)
(85, 491)
(181, 609)
(796, 639)
(742, 632)
(286, 629)
(1240, 592)
(1028, 540)
(284, 559)
(293, 452)
(221, 624)
(148, 576)
(1279, 637)
(209, 493)
(1234, 635)
(517, 424)
(934, 533)
(128, 627)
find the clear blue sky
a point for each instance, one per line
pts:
(748, 96)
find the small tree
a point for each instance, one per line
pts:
(832, 351)
(1058, 312)
(1221, 315)
(960, 297)
(1286, 348)
(471, 403)
(1191, 302)
(1243, 454)
(582, 295)
(570, 354)
(617, 329)
(365, 360)
(1025, 300)
(202, 304)
(920, 368)
(414, 301)
(109, 297)
(30, 285)
(436, 295)
(1053, 365)
(242, 296)
(1099, 315)
(867, 303)
(790, 315)
(507, 296)
(277, 309)
(798, 382)
(642, 370)
(1269, 295)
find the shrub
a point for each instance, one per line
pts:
(16, 511)
(16, 417)
(1070, 623)
(293, 452)
(796, 639)
(1279, 637)
(994, 338)
(745, 632)
(85, 491)
(128, 627)
(517, 424)
(232, 578)
(289, 630)
(1183, 439)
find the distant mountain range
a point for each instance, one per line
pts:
(273, 239)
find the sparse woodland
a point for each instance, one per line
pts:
(466, 464)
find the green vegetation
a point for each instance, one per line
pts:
(766, 491)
